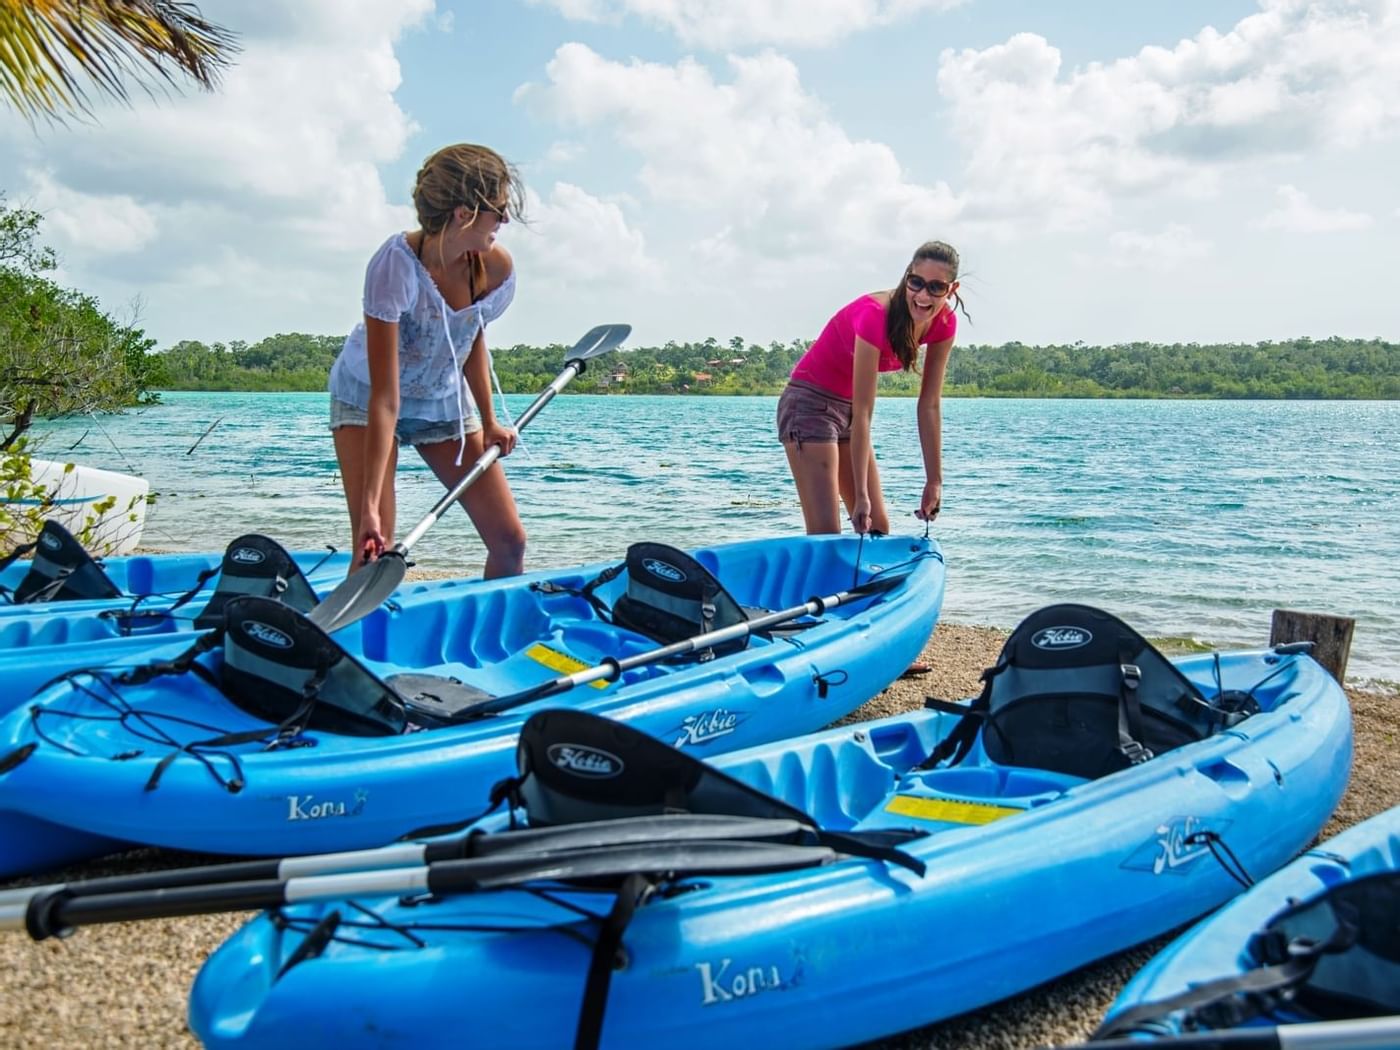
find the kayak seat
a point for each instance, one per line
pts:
(1075, 690)
(61, 570)
(575, 767)
(254, 564)
(1334, 956)
(282, 668)
(670, 597)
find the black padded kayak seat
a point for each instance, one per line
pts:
(1334, 956)
(61, 570)
(256, 565)
(1075, 690)
(671, 597)
(283, 668)
(577, 767)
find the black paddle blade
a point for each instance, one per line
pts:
(361, 594)
(597, 341)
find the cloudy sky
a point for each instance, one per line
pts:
(1162, 170)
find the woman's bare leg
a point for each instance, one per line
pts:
(350, 453)
(814, 468)
(879, 516)
(488, 502)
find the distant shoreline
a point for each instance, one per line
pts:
(947, 393)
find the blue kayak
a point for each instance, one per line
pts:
(1314, 948)
(139, 585)
(934, 872)
(174, 596)
(36, 648)
(417, 706)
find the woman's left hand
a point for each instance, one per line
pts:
(931, 503)
(494, 433)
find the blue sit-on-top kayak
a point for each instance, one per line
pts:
(62, 579)
(280, 739)
(813, 892)
(1313, 951)
(174, 596)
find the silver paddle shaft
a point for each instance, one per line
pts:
(489, 457)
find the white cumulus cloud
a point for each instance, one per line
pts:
(104, 224)
(1062, 147)
(755, 156)
(1295, 213)
(581, 240)
(275, 172)
(1166, 249)
(729, 24)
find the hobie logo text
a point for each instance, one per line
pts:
(698, 729)
(663, 570)
(585, 761)
(49, 543)
(1061, 638)
(246, 556)
(261, 632)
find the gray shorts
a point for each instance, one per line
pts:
(406, 431)
(809, 413)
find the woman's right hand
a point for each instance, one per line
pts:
(370, 543)
(860, 515)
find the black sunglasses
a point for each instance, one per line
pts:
(502, 213)
(935, 288)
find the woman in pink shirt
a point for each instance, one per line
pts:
(825, 412)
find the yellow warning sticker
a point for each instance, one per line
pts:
(561, 662)
(960, 812)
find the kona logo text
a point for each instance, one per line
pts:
(721, 984)
(305, 807)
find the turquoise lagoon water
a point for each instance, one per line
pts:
(1187, 518)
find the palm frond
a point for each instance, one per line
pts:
(48, 47)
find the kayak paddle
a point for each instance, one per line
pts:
(58, 913)
(365, 589)
(671, 828)
(1363, 1033)
(611, 669)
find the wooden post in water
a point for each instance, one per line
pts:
(1331, 636)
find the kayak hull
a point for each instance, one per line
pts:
(1066, 871)
(1216, 947)
(95, 748)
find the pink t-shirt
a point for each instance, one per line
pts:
(829, 362)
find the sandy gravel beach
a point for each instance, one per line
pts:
(126, 985)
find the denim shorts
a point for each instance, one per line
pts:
(406, 431)
(809, 413)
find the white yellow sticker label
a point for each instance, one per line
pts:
(561, 662)
(947, 810)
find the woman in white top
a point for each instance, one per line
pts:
(417, 371)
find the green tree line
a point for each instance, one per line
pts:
(1332, 368)
(60, 353)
